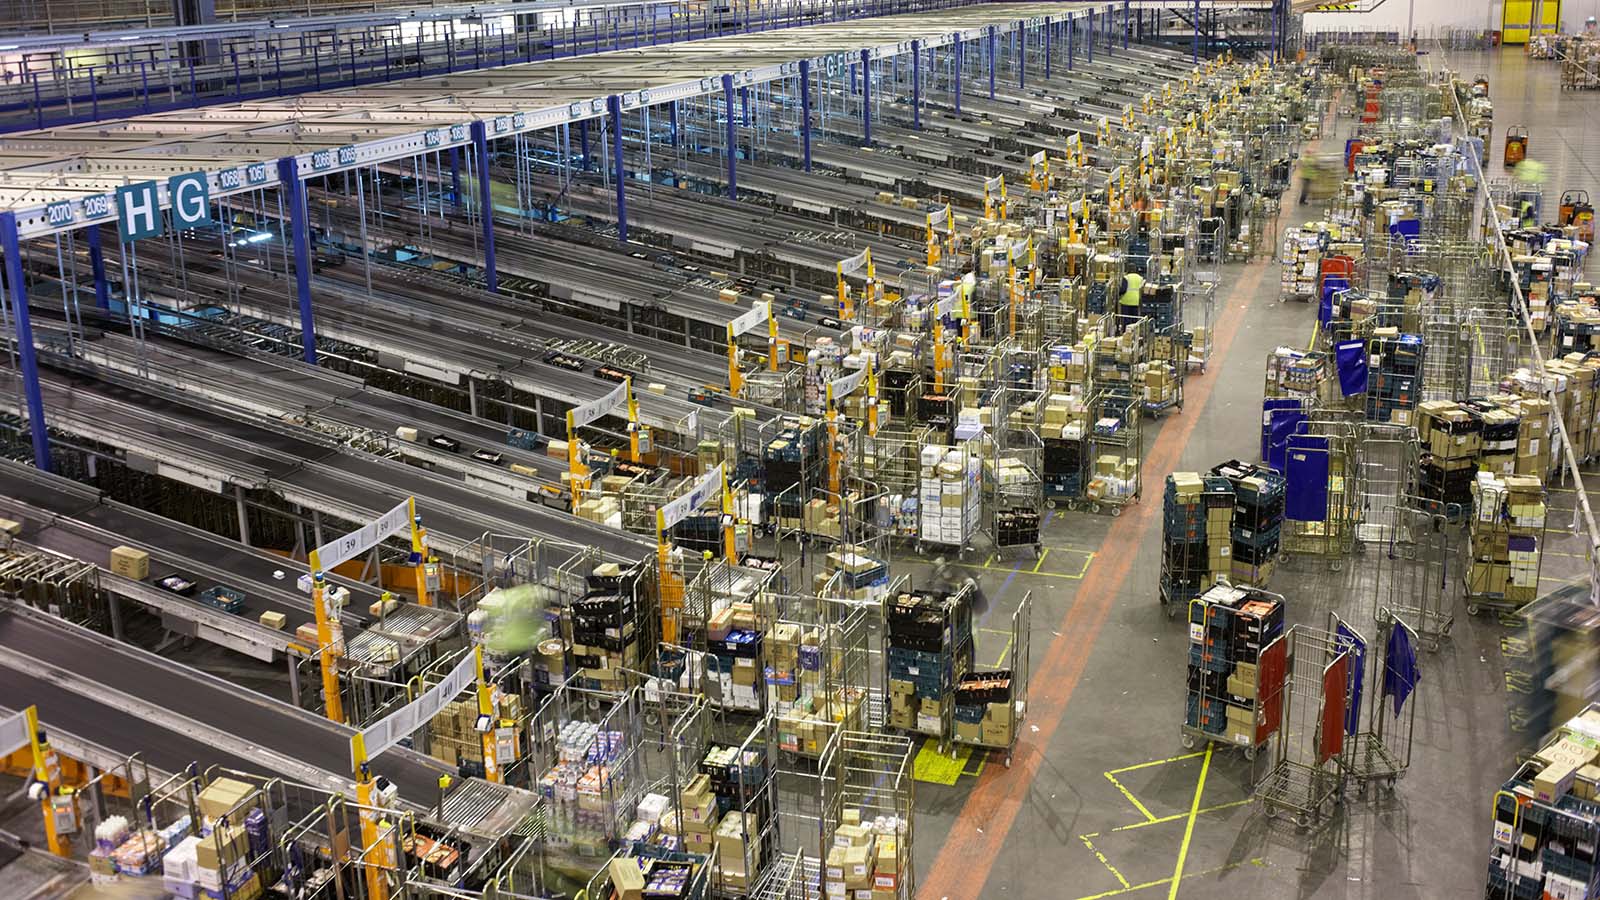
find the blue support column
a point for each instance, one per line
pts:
(294, 197)
(916, 84)
(455, 178)
(614, 112)
(1196, 51)
(1022, 54)
(1072, 25)
(1126, 9)
(1047, 28)
(97, 264)
(744, 105)
(27, 357)
(866, 98)
(732, 147)
(583, 143)
(672, 120)
(1088, 45)
(480, 152)
(994, 46)
(805, 113)
(960, 52)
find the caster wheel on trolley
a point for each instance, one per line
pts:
(1008, 760)
(1472, 609)
(1116, 511)
(1336, 565)
(1038, 551)
(1302, 822)
(1050, 504)
(1249, 754)
(1389, 783)
(1270, 809)
(1188, 741)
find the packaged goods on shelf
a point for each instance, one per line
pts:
(1547, 818)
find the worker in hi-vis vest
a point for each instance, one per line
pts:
(1128, 303)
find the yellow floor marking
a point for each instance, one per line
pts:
(1175, 816)
(937, 768)
(1188, 830)
(1316, 329)
(1103, 861)
(1077, 577)
(1003, 652)
(1040, 562)
(1159, 762)
(1259, 862)
(1111, 776)
(1148, 815)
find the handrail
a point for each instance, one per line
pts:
(1498, 246)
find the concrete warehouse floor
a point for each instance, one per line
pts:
(1102, 800)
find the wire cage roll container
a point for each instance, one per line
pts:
(1381, 741)
(1418, 572)
(990, 707)
(1322, 488)
(1311, 757)
(1235, 668)
(927, 646)
(1196, 518)
(1117, 441)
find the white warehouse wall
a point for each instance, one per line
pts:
(1426, 16)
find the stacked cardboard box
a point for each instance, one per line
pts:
(1197, 516)
(950, 490)
(1451, 441)
(1506, 537)
(984, 709)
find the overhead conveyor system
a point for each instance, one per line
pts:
(198, 444)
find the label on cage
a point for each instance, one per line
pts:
(1502, 833)
(913, 671)
(1241, 738)
(1197, 632)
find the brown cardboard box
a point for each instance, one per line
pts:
(969, 732)
(627, 879)
(223, 795)
(222, 847)
(275, 620)
(130, 562)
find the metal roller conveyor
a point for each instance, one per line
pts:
(120, 697)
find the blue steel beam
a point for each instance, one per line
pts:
(1072, 25)
(27, 356)
(455, 178)
(994, 45)
(1088, 45)
(916, 84)
(1048, 27)
(614, 112)
(1022, 54)
(97, 265)
(960, 53)
(480, 151)
(732, 147)
(294, 191)
(805, 114)
(866, 98)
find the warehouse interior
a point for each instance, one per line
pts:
(806, 451)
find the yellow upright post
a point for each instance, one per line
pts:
(872, 396)
(671, 585)
(419, 552)
(577, 470)
(327, 655)
(491, 765)
(833, 444)
(633, 422)
(730, 536)
(374, 831)
(773, 344)
(735, 377)
(47, 769)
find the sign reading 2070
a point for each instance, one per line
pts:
(139, 206)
